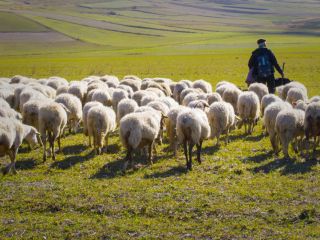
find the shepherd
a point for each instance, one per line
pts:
(262, 63)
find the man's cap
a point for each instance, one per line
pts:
(261, 41)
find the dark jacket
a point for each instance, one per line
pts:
(254, 64)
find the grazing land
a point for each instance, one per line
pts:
(240, 191)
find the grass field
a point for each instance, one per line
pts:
(241, 191)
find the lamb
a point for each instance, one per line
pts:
(231, 95)
(312, 122)
(101, 121)
(117, 96)
(260, 89)
(295, 94)
(267, 100)
(203, 85)
(213, 97)
(139, 129)
(192, 128)
(171, 126)
(74, 106)
(249, 110)
(269, 121)
(12, 133)
(289, 126)
(52, 121)
(125, 107)
(102, 96)
(222, 119)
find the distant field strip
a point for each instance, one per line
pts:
(11, 22)
(34, 37)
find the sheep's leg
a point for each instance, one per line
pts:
(128, 159)
(185, 150)
(44, 140)
(227, 137)
(150, 147)
(52, 137)
(59, 143)
(218, 139)
(245, 128)
(199, 147)
(7, 169)
(175, 147)
(273, 142)
(190, 156)
(13, 160)
(285, 144)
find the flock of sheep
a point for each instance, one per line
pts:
(189, 112)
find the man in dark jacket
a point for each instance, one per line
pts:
(263, 63)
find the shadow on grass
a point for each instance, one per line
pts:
(71, 161)
(212, 149)
(289, 166)
(74, 149)
(175, 171)
(26, 164)
(259, 157)
(115, 168)
(256, 138)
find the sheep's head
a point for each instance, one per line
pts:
(32, 136)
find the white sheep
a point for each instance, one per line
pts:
(267, 100)
(78, 89)
(249, 110)
(171, 126)
(203, 85)
(178, 88)
(134, 83)
(290, 85)
(102, 96)
(128, 89)
(294, 94)
(314, 99)
(213, 97)
(260, 89)
(269, 121)
(222, 119)
(125, 107)
(56, 82)
(85, 111)
(74, 106)
(52, 121)
(231, 95)
(30, 94)
(139, 129)
(289, 126)
(12, 133)
(192, 128)
(30, 113)
(312, 123)
(186, 91)
(200, 104)
(138, 95)
(110, 80)
(117, 96)
(101, 121)
(147, 99)
(222, 86)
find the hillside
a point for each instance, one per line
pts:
(166, 26)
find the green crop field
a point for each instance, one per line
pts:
(240, 191)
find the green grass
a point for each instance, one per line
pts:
(11, 22)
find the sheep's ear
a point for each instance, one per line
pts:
(294, 104)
